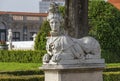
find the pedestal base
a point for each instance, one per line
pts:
(74, 72)
(73, 75)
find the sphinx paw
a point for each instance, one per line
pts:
(56, 58)
(46, 58)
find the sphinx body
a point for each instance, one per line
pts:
(67, 48)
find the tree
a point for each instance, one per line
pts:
(104, 20)
(76, 18)
(40, 41)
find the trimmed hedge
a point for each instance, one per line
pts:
(22, 78)
(21, 56)
(26, 72)
(111, 76)
(36, 56)
(112, 69)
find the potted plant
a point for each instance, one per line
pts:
(3, 45)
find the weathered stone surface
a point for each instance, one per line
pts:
(73, 72)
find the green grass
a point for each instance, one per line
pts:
(12, 66)
(112, 65)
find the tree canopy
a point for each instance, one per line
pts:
(104, 22)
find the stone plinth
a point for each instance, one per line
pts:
(87, 70)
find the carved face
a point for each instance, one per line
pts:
(55, 25)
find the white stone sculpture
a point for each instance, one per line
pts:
(62, 47)
(34, 37)
(10, 39)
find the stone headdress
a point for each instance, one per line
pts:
(54, 12)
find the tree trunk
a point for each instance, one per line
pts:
(76, 18)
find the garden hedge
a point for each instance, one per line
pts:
(21, 56)
(22, 78)
(36, 56)
(23, 72)
(111, 76)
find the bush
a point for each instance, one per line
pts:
(21, 56)
(110, 57)
(111, 76)
(23, 72)
(104, 20)
(40, 41)
(22, 78)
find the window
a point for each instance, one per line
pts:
(31, 35)
(32, 18)
(25, 33)
(16, 36)
(17, 17)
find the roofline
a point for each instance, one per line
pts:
(24, 13)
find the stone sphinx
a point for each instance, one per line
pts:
(62, 47)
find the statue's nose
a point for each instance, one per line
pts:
(54, 25)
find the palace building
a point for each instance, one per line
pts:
(23, 25)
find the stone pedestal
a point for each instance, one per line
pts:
(75, 70)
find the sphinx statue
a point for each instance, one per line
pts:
(60, 46)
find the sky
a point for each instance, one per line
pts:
(20, 5)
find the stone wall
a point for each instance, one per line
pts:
(23, 26)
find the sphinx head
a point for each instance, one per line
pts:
(54, 18)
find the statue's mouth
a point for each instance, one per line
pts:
(54, 33)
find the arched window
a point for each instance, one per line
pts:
(2, 32)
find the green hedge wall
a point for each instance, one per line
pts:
(111, 76)
(23, 72)
(22, 78)
(21, 56)
(36, 56)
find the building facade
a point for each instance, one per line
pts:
(44, 4)
(23, 25)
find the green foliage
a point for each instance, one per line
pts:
(23, 72)
(22, 78)
(62, 10)
(40, 41)
(111, 76)
(21, 56)
(104, 20)
(110, 57)
(37, 75)
(112, 67)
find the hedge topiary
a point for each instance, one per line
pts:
(40, 41)
(22, 56)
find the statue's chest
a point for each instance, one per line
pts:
(54, 44)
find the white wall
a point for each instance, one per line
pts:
(22, 45)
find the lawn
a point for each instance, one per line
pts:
(12, 66)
